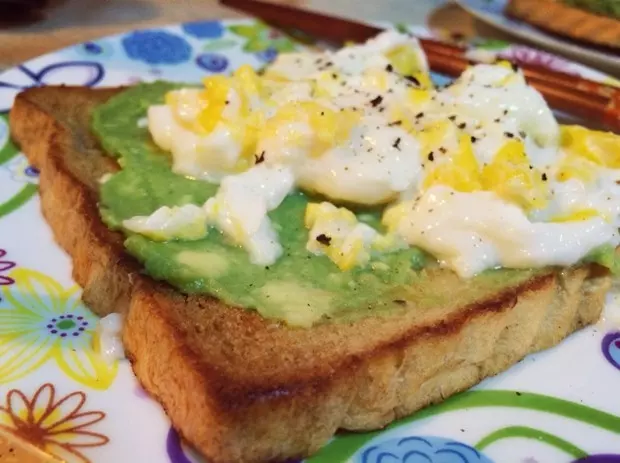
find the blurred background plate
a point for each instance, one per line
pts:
(492, 12)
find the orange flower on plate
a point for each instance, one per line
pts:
(58, 426)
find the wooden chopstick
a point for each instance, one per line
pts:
(572, 94)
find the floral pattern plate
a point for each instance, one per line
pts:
(55, 392)
(492, 12)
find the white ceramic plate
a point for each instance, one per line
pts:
(558, 406)
(492, 12)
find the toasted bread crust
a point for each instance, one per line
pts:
(571, 22)
(242, 388)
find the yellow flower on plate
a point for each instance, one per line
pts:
(40, 321)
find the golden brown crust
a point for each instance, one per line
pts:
(565, 20)
(242, 388)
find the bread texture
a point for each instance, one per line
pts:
(241, 388)
(560, 18)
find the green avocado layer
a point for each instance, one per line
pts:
(300, 288)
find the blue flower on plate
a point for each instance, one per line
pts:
(212, 62)
(204, 29)
(267, 55)
(86, 73)
(157, 47)
(96, 49)
(418, 449)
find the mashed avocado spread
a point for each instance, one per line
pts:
(300, 288)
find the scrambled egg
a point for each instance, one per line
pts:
(188, 222)
(336, 232)
(478, 173)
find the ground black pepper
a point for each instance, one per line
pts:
(376, 101)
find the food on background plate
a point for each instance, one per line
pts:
(596, 22)
(331, 244)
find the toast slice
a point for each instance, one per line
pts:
(561, 18)
(241, 388)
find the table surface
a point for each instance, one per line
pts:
(74, 21)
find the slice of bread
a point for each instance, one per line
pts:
(560, 18)
(241, 388)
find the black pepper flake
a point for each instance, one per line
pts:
(324, 239)
(462, 125)
(396, 144)
(376, 101)
(509, 134)
(505, 112)
(259, 158)
(531, 167)
(322, 113)
(473, 139)
(334, 76)
(392, 124)
(399, 302)
(419, 115)
(452, 118)
(389, 68)
(227, 102)
(544, 177)
(497, 121)
(518, 393)
(431, 156)
(522, 134)
(514, 66)
(443, 150)
(413, 80)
